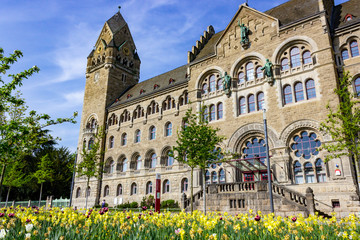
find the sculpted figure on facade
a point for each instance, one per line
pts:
(244, 35)
(226, 83)
(267, 68)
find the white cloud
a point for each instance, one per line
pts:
(74, 98)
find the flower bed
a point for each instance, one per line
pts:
(33, 223)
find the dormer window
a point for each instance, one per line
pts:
(348, 17)
(156, 86)
(171, 81)
(129, 96)
(142, 91)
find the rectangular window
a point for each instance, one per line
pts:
(123, 78)
(248, 177)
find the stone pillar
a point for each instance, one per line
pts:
(310, 200)
(183, 199)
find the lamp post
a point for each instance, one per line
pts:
(268, 163)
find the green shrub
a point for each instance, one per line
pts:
(169, 204)
(134, 205)
(148, 201)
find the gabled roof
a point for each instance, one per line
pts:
(147, 86)
(116, 22)
(351, 7)
(293, 10)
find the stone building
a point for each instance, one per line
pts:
(286, 60)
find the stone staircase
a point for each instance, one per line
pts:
(240, 197)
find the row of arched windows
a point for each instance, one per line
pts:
(297, 58)
(354, 50)
(251, 103)
(166, 188)
(298, 92)
(213, 177)
(167, 104)
(168, 129)
(309, 173)
(136, 162)
(213, 112)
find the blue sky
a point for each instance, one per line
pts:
(58, 35)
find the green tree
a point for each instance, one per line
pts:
(90, 164)
(15, 177)
(45, 172)
(24, 133)
(343, 124)
(197, 146)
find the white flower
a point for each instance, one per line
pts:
(2, 233)
(28, 235)
(29, 227)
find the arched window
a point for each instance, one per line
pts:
(222, 176)
(205, 88)
(149, 187)
(310, 89)
(137, 136)
(298, 175)
(259, 72)
(242, 105)
(168, 129)
(249, 71)
(320, 170)
(299, 93)
(78, 192)
(184, 185)
(106, 191)
(260, 101)
(344, 54)
(123, 165)
(153, 161)
(219, 111)
(354, 48)
(91, 144)
(207, 177)
(152, 133)
(138, 163)
(287, 95)
(169, 159)
(220, 85)
(357, 86)
(88, 192)
(309, 173)
(306, 145)
(251, 103)
(123, 139)
(212, 83)
(119, 190)
(241, 77)
(254, 148)
(206, 114)
(214, 177)
(111, 142)
(284, 64)
(112, 166)
(306, 57)
(295, 57)
(133, 189)
(212, 113)
(166, 186)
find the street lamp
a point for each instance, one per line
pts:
(268, 163)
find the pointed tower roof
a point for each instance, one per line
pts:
(116, 22)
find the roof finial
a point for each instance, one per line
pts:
(119, 8)
(246, 2)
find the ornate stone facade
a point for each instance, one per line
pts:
(306, 45)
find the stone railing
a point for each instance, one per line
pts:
(305, 201)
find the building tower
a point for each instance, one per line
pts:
(113, 66)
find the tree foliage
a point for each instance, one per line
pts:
(343, 123)
(197, 144)
(90, 164)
